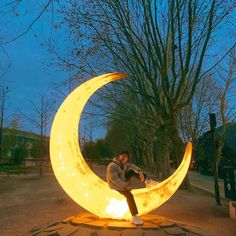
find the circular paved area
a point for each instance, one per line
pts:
(87, 224)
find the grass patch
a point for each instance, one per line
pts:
(14, 169)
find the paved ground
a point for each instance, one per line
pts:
(206, 183)
(87, 224)
(27, 202)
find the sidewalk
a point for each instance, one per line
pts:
(206, 183)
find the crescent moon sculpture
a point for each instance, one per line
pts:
(79, 181)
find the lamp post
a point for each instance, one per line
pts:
(212, 117)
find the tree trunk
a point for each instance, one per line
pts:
(41, 155)
(163, 154)
(177, 145)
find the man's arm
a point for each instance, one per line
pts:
(136, 169)
(133, 167)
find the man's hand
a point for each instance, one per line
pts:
(141, 176)
(129, 188)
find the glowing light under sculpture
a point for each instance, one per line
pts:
(79, 181)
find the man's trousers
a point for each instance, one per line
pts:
(131, 202)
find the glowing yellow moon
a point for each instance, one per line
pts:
(79, 181)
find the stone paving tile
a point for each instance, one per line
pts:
(195, 230)
(107, 232)
(39, 228)
(68, 219)
(35, 233)
(166, 224)
(54, 233)
(93, 234)
(192, 234)
(83, 225)
(154, 233)
(121, 224)
(85, 232)
(42, 234)
(39, 234)
(153, 217)
(96, 223)
(44, 230)
(148, 225)
(67, 230)
(53, 228)
(175, 231)
(135, 232)
(88, 215)
(80, 220)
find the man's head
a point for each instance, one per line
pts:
(123, 157)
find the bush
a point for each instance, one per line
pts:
(18, 155)
(12, 169)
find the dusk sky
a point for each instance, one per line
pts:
(29, 75)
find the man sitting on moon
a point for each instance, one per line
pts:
(119, 177)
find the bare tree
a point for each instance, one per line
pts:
(194, 118)
(227, 110)
(40, 118)
(132, 125)
(163, 46)
(10, 11)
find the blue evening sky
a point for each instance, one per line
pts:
(28, 75)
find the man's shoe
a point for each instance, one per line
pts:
(136, 220)
(148, 181)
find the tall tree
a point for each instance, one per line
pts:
(194, 118)
(40, 118)
(162, 45)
